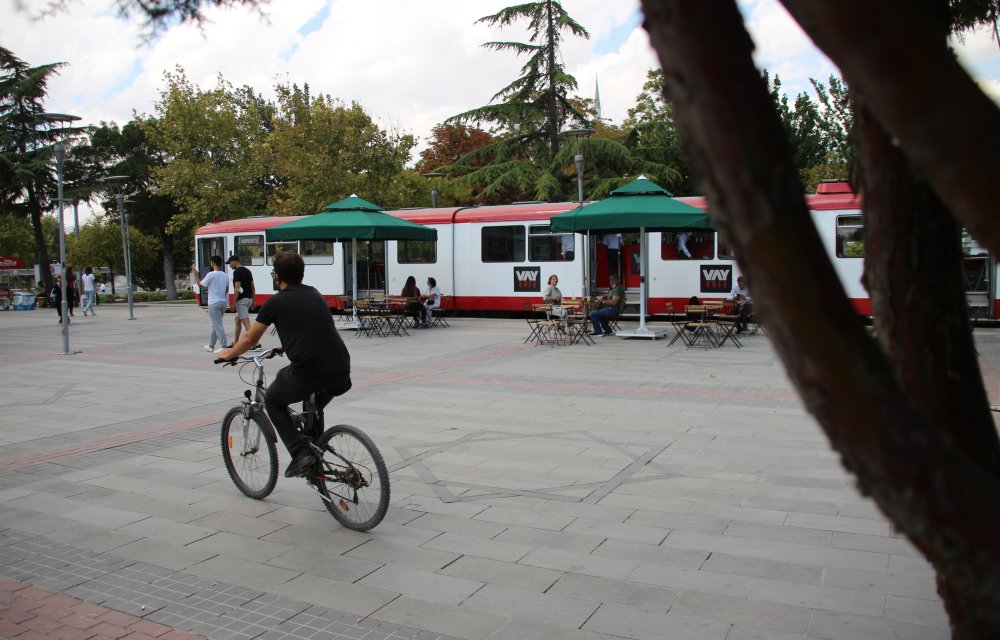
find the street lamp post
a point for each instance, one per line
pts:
(126, 239)
(127, 244)
(435, 194)
(579, 160)
(59, 150)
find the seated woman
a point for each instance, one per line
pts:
(432, 300)
(551, 293)
(413, 307)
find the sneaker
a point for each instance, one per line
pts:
(209, 348)
(300, 465)
(608, 335)
(596, 333)
(255, 347)
(227, 346)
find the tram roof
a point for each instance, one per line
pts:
(829, 196)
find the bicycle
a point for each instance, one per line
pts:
(349, 475)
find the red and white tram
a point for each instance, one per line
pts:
(496, 258)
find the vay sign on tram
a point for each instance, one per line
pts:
(716, 278)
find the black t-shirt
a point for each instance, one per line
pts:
(306, 329)
(242, 275)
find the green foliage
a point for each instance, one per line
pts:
(213, 144)
(100, 245)
(531, 111)
(27, 173)
(325, 150)
(17, 238)
(651, 134)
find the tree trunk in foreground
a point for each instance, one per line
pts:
(943, 499)
(914, 271)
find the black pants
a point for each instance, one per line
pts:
(743, 315)
(416, 311)
(287, 388)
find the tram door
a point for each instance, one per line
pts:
(208, 247)
(632, 256)
(371, 268)
(977, 285)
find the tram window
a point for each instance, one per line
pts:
(545, 246)
(700, 244)
(416, 252)
(850, 240)
(250, 249)
(503, 244)
(317, 251)
(274, 248)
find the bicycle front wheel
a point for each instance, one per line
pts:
(251, 458)
(354, 482)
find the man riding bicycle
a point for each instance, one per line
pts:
(319, 359)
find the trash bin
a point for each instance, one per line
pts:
(23, 300)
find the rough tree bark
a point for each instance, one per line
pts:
(943, 499)
(914, 272)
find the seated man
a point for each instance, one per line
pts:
(609, 306)
(319, 359)
(740, 295)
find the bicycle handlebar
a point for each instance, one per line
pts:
(255, 357)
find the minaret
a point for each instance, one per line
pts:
(597, 98)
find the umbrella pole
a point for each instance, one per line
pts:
(642, 331)
(354, 278)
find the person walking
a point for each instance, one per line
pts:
(73, 298)
(55, 298)
(243, 293)
(89, 293)
(216, 285)
(104, 290)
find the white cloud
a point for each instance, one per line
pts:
(410, 63)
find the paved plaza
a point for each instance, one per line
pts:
(621, 490)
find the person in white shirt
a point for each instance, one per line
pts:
(682, 245)
(568, 243)
(216, 286)
(740, 295)
(89, 293)
(433, 301)
(613, 241)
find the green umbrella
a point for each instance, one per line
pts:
(352, 218)
(640, 205)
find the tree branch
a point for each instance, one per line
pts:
(895, 56)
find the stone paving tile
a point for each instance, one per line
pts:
(436, 587)
(737, 468)
(755, 614)
(575, 562)
(542, 607)
(629, 622)
(605, 590)
(845, 626)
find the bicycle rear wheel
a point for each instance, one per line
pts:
(354, 482)
(251, 458)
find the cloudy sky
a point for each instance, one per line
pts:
(410, 63)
